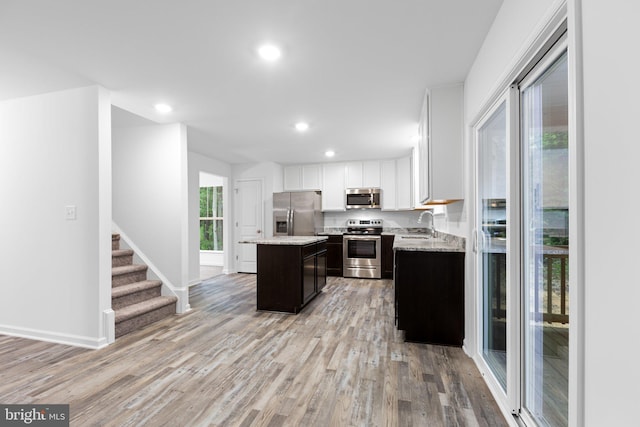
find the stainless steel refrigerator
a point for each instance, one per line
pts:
(297, 213)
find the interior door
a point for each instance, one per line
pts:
(249, 222)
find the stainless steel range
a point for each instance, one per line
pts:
(361, 249)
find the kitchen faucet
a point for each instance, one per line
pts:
(432, 229)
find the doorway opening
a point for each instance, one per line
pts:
(212, 225)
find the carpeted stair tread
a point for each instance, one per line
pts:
(123, 290)
(121, 252)
(141, 308)
(125, 269)
(121, 257)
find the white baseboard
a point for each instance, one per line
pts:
(53, 337)
(109, 322)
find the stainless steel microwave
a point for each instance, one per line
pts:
(363, 198)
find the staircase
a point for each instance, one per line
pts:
(136, 301)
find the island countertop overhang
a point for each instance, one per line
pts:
(286, 240)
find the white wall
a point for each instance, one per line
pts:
(200, 163)
(510, 34)
(150, 196)
(611, 234)
(55, 274)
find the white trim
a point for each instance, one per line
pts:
(514, 266)
(53, 337)
(109, 322)
(577, 231)
(182, 292)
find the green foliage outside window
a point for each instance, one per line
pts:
(211, 216)
(552, 140)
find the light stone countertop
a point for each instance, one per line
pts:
(422, 242)
(286, 240)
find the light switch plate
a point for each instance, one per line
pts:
(70, 213)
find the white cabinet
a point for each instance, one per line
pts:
(371, 174)
(396, 184)
(353, 174)
(292, 178)
(312, 177)
(333, 186)
(439, 151)
(404, 179)
(388, 184)
(302, 177)
(364, 174)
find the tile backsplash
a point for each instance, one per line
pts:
(447, 218)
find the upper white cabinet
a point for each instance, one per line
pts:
(364, 174)
(404, 180)
(333, 186)
(371, 173)
(305, 177)
(396, 184)
(292, 178)
(388, 184)
(312, 177)
(439, 151)
(353, 171)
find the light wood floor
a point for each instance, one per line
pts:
(339, 362)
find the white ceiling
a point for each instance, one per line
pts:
(356, 70)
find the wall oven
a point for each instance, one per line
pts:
(361, 249)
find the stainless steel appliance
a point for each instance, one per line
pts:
(361, 249)
(363, 198)
(297, 213)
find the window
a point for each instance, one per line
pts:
(211, 217)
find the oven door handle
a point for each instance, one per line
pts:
(356, 237)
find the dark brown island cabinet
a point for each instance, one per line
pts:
(334, 255)
(429, 296)
(289, 276)
(387, 256)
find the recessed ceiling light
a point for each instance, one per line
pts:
(329, 153)
(163, 108)
(269, 52)
(302, 126)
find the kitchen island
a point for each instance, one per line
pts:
(429, 288)
(291, 271)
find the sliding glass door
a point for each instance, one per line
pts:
(545, 240)
(522, 217)
(492, 243)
